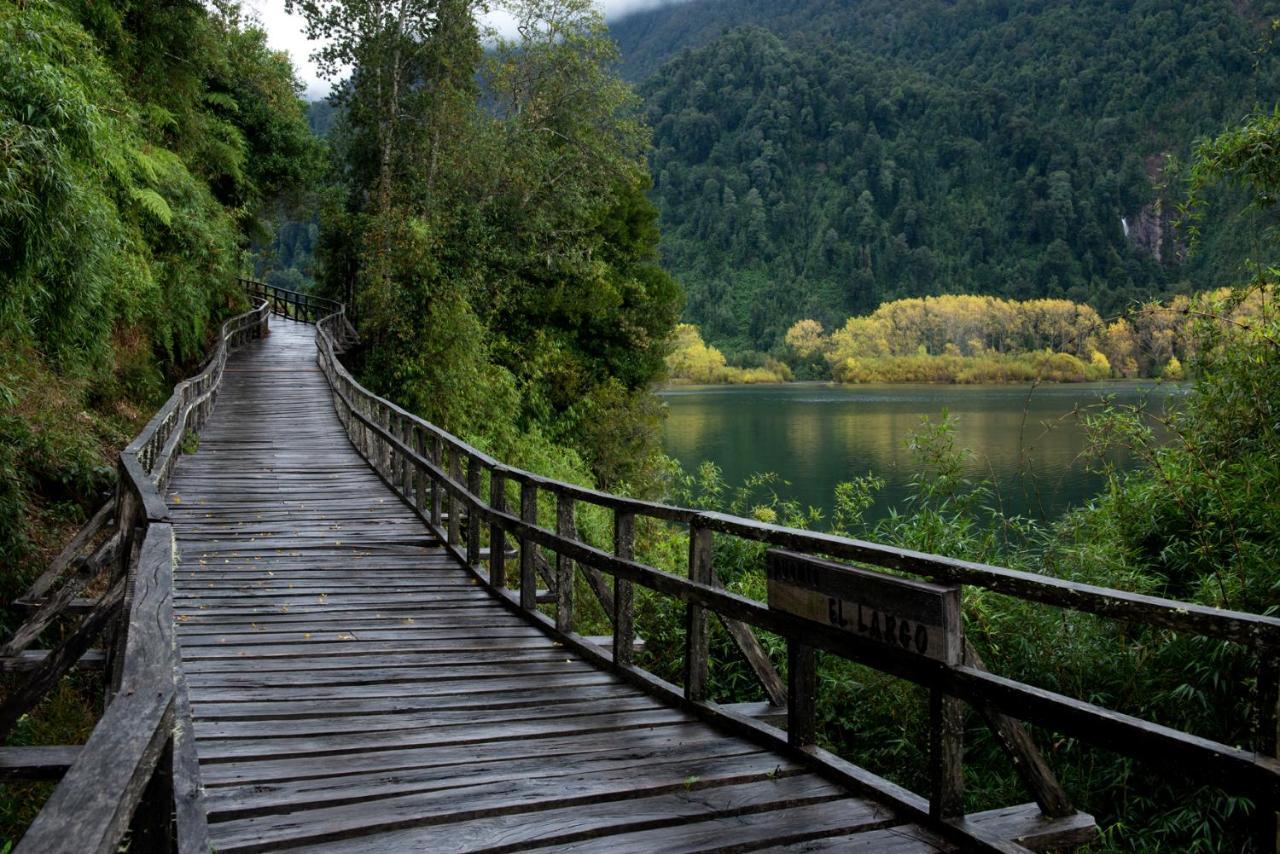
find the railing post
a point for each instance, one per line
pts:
(1268, 743)
(455, 506)
(528, 573)
(397, 430)
(696, 648)
(437, 500)
(392, 424)
(497, 536)
(473, 516)
(384, 447)
(802, 689)
(151, 829)
(406, 464)
(126, 509)
(362, 407)
(366, 433)
(946, 755)
(564, 566)
(624, 628)
(420, 477)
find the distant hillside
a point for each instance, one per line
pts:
(846, 153)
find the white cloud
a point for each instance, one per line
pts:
(285, 32)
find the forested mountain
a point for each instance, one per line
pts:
(830, 156)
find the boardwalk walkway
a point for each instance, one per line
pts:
(353, 689)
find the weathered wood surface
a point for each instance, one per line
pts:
(352, 687)
(124, 763)
(36, 763)
(60, 659)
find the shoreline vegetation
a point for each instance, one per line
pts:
(963, 339)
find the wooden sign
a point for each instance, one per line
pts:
(914, 616)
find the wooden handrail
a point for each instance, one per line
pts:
(137, 769)
(1237, 626)
(426, 466)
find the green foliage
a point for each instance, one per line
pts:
(858, 153)
(691, 360)
(496, 241)
(139, 142)
(153, 203)
(1244, 152)
(1197, 520)
(1138, 537)
(1042, 366)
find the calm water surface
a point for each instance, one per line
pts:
(816, 435)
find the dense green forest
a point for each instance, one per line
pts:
(832, 156)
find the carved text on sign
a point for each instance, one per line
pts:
(914, 616)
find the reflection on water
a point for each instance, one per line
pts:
(1030, 444)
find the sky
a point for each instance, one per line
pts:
(284, 32)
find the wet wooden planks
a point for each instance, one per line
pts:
(354, 690)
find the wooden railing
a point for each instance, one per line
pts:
(137, 775)
(296, 305)
(468, 497)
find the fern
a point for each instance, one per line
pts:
(145, 166)
(158, 118)
(222, 100)
(153, 203)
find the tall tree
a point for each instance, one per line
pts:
(495, 224)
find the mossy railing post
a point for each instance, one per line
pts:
(624, 627)
(497, 536)
(437, 493)
(802, 690)
(474, 476)
(455, 505)
(946, 755)
(528, 570)
(564, 565)
(696, 648)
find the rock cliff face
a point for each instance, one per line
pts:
(1146, 230)
(1151, 230)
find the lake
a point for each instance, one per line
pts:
(1030, 444)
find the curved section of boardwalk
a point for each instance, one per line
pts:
(353, 689)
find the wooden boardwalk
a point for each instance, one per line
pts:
(354, 689)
